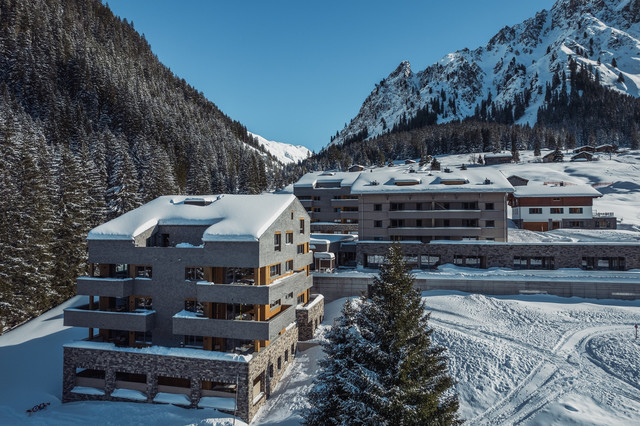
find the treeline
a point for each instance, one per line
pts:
(452, 138)
(92, 125)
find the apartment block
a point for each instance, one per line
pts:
(194, 301)
(328, 199)
(401, 204)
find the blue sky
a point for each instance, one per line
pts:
(297, 71)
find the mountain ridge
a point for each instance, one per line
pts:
(511, 70)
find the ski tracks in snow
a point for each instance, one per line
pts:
(566, 366)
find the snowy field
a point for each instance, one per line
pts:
(533, 360)
(518, 360)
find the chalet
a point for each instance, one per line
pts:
(583, 156)
(543, 207)
(584, 148)
(498, 158)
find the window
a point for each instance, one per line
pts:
(143, 271)
(121, 271)
(275, 270)
(288, 266)
(428, 262)
(418, 223)
(377, 207)
(300, 298)
(194, 274)
(293, 349)
(535, 210)
(397, 223)
(557, 210)
(397, 206)
(490, 223)
(193, 306)
(275, 304)
(286, 355)
(193, 341)
(488, 206)
(301, 249)
(418, 206)
(277, 241)
(302, 226)
(279, 362)
(289, 237)
(470, 206)
(377, 224)
(576, 224)
(575, 210)
(143, 302)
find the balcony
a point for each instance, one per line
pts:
(139, 320)
(189, 323)
(109, 287)
(436, 231)
(434, 214)
(344, 202)
(248, 294)
(348, 215)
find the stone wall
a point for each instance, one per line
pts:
(194, 369)
(308, 319)
(565, 255)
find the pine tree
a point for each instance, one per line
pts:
(381, 359)
(435, 164)
(343, 392)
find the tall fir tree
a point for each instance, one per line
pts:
(382, 354)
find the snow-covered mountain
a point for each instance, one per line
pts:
(284, 152)
(513, 67)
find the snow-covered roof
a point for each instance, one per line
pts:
(538, 190)
(227, 217)
(324, 255)
(310, 180)
(476, 179)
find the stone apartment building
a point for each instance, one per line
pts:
(328, 199)
(400, 204)
(197, 301)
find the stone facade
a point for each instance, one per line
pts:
(309, 317)
(506, 255)
(177, 308)
(334, 286)
(263, 365)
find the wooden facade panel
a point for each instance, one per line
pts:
(553, 201)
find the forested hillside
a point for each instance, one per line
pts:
(92, 125)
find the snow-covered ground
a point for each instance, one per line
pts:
(618, 179)
(31, 373)
(536, 360)
(518, 359)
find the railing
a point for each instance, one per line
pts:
(603, 214)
